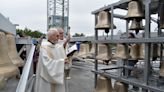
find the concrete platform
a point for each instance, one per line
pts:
(11, 85)
(82, 79)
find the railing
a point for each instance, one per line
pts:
(24, 80)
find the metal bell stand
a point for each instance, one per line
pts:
(147, 40)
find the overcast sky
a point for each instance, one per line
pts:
(32, 14)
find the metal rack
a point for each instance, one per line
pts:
(147, 40)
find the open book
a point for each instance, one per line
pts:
(70, 51)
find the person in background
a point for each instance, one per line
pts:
(64, 41)
(36, 53)
(50, 68)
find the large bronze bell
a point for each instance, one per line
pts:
(162, 16)
(91, 52)
(103, 85)
(136, 51)
(136, 24)
(104, 52)
(84, 49)
(104, 21)
(12, 52)
(120, 52)
(7, 68)
(134, 10)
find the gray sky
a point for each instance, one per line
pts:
(32, 14)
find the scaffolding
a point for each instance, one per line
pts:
(58, 14)
(150, 7)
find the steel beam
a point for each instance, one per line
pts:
(131, 81)
(108, 7)
(96, 49)
(135, 40)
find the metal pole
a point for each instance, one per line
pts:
(68, 16)
(62, 25)
(159, 29)
(147, 45)
(47, 14)
(54, 11)
(158, 18)
(112, 25)
(96, 50)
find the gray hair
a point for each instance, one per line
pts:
(51, 32)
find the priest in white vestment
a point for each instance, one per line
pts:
(50, 69)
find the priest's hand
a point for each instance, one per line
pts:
(66, 61)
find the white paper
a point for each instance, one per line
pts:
(71, 49)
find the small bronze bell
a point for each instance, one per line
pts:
(136, 25)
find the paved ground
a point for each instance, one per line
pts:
(82, 79)
(11, 85)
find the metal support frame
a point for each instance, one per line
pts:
(130, 81)
(147, 40)
(147, 45)
(112, 25)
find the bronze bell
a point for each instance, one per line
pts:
(136, 24)
(135, 10)
(161, 71)
(84, 49)
(120, 52)
(12, 51)
(7, 68)
(162, 16)
(104, 52)
(120, 87)
(91, 53)
(104, 21)
(103, 85)
(136, 51)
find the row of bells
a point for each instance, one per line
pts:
(9, 58)
(135, 13)
(104, 85)
(135, 52)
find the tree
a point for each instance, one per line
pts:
(79, 35)
(29, 32)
